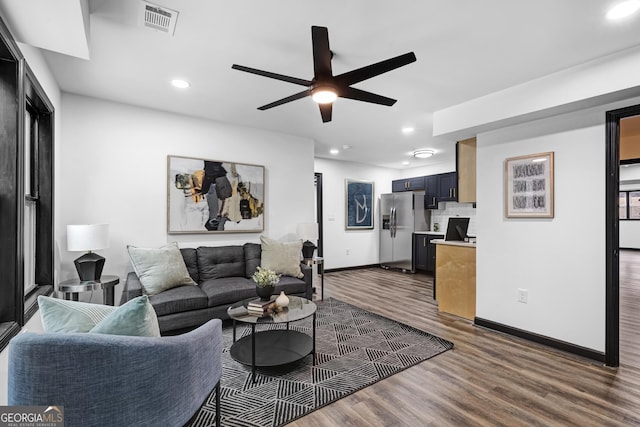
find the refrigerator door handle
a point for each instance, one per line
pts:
(393, 222)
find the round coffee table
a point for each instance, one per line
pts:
(273, 347)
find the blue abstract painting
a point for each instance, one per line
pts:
(359, 204)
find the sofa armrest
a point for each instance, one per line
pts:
(308, 280)
(132, 288)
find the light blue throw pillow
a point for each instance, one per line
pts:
(135, 318)
(60, 315)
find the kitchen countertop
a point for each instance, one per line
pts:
(454, 243)
(440, 233)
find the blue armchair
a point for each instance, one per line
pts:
(113, 380)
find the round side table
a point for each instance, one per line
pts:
(71, 288)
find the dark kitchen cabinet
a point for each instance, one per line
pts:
(420, 251)
(431, 192)
(448, 187)
(424, 251)
(408, 184)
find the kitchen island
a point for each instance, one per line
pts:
(456, 278)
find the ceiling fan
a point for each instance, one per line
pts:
(324, 88)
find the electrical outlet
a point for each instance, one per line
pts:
(523, 295)
(348, 251)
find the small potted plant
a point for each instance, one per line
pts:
(266, 281)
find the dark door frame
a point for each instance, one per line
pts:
(318, 180)
(612, 310)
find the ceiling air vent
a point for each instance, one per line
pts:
(158, 18)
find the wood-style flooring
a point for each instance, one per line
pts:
(488, 379)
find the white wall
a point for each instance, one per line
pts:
(560, 261)
(361, 244)
(115, 172)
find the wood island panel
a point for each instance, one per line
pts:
(456, 280)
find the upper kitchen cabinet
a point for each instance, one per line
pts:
(448, 187)
(431, 191)
(408, 184)
(466, 167)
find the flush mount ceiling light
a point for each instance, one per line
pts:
(180, 84)
(334, 151)
(423, 154)
(624, 9)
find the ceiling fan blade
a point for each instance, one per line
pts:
(361, 95)
(321, 53)
(364, 73)
(287, 99)
(325, 112)
(271, 75)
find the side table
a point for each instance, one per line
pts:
(319, 261)
(71, 288)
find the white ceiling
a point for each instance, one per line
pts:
(465, 49)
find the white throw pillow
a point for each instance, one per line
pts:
(160, 268)
(281, 257)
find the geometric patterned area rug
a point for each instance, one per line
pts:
(354, 349)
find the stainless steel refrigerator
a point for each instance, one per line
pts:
(402, 214)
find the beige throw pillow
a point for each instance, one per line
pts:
(159, 269)
(281, 257)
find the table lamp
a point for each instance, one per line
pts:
(308, 231)
(88, 238)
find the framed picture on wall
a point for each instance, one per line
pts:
(214, 196)
(528, 186)
(359, 204)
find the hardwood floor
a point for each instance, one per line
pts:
(488, 379)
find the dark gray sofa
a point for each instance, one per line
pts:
(223, 275)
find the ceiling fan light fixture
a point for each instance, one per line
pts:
(423, 154)
(324, 95)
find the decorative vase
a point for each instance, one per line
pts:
(265, 292)
(282, 300)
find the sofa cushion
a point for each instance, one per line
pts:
(190, 257)
(176, 300)
(70, 316)
(228, 290)
(291, 285)
(221, 261)
(252, 257)
(159, 269)
(135, 318)
(282, 257)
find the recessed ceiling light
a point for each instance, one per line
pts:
(180, 84)
(407, 130)
(624, 9)
(423, 154)
(334, 151)
(405, 163)
(346, 147)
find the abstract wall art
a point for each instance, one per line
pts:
(214, 196)
(359, 204)
(528, 186)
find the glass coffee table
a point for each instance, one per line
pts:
(273, 347)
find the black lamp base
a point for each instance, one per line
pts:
(307, 249)
(89, 267)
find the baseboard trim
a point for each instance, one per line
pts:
(541, 339)
(357, 267)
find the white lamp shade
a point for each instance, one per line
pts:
(308, 231)
(89, 237)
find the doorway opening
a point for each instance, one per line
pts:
(612, 302)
